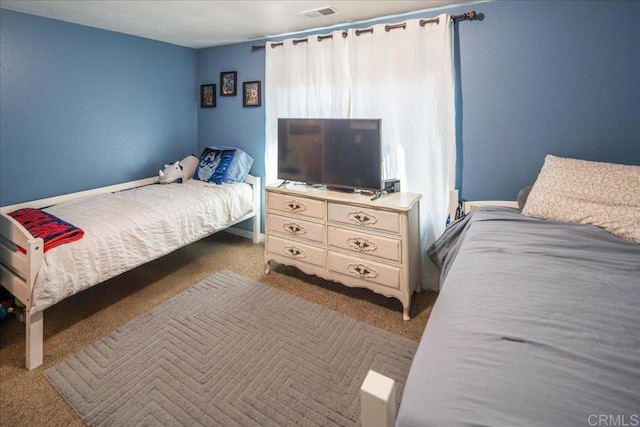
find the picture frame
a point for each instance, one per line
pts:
(251, 94)
(208, 96)
(228, 83)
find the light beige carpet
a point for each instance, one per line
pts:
(27, 398)
(230, 351)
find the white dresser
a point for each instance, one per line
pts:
(347, 237)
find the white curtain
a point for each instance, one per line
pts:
(304, 80)
(403, 76)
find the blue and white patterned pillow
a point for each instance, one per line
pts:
(238, 168)
(214, 165)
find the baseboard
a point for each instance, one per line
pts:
(243, 233)
(430, 289)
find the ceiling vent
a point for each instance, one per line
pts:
(320, 12)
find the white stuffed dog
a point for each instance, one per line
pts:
(180, 171)
(189, 165)
(171, 173)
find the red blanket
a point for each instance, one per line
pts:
(52, 229)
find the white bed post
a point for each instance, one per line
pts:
(377, 401)
(257, 189)
(34, 322)
(453, 204)
(34, 326)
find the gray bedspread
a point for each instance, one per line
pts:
(537, 324)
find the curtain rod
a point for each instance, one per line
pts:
(454, 18)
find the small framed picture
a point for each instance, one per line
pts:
(207, 96)
(251, 94)
(228, 83)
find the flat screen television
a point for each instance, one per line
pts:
(343, 154)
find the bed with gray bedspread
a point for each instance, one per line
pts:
(537, 324)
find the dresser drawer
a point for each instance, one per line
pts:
(296, 227)
(382, 274)
(296, 251)
(363, 217)
(296, 205)
(365, 243)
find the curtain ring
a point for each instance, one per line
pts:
(424, 22)
(388, 28)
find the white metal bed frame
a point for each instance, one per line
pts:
(18, 270)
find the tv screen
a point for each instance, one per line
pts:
(339, 153)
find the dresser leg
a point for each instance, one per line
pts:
(267, 267)
(405, 312)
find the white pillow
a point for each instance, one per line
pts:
(585, 192)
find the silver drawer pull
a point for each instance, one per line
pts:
(294, 206)
(294, 252)
(361, 244)
(295, 229)
(362, 218)
(362, 271)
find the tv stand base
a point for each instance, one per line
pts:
(341, 189)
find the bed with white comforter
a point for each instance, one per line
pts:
(129, 228)
(122, 230)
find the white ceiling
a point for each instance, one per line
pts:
(207, 23)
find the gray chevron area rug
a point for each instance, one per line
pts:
(231, 352)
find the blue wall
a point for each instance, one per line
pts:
(229, 123)
(546, 77)
(534, 77)
(82, 108)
